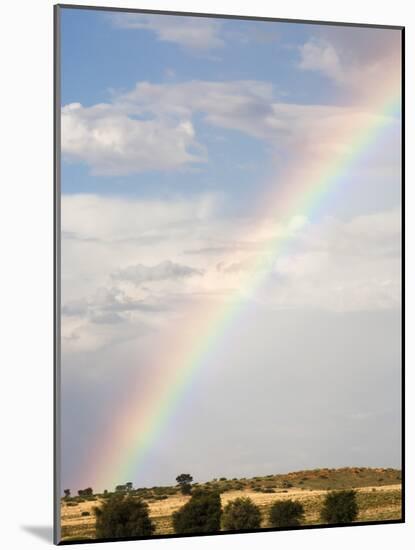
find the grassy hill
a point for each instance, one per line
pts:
(378, 495)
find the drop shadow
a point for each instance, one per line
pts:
(44, 532)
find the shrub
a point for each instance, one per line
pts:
(286, 513)
(339, 507)
(71, 504)
(241, 513)
(123, 516)
(84, 514)
(202, 514)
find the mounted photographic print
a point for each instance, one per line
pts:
(228, 278)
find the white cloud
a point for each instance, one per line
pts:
(151, 127)
(101, 235)
(320, 55)
(333, 265)
(344, 266)
(113, 143)
(194, 33)
(234, 104)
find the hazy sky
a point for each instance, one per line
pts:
(173, 131)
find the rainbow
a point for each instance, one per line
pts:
(143, 418)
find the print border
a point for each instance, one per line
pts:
(57, 268)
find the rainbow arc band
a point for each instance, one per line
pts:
(121, 452)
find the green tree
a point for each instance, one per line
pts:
(185, 480)
(286, 513)
(123, 516)
(67, 493)
(202, 514)
(339, 507)
(241, 513)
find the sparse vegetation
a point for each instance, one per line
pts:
(382, 504)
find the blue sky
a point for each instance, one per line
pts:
(100, 59)
(173, 131)
(103, 57)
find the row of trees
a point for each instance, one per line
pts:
(88, 492)
(125, 516)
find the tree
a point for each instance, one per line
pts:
(286, 513)
(241, 513)
(201, 514)
(85, 492)
(123, 516)
(339, 507)
(185, 480)
(67, 493)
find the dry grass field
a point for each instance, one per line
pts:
(378, 497)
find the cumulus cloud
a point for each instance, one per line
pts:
(194, 33)
(151, 127)
(113, 143)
